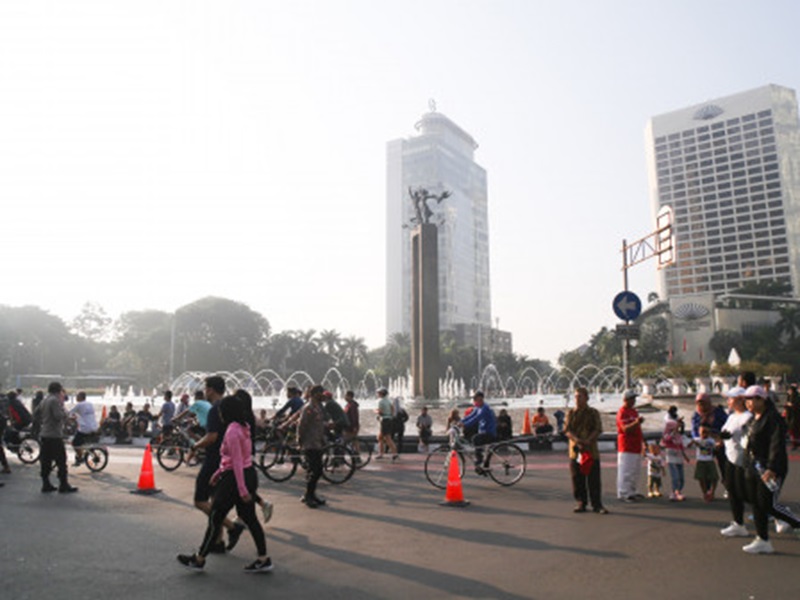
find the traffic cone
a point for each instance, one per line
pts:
(526, 423)
(454, 495)
(147, 484)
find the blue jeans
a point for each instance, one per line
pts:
(676, 475)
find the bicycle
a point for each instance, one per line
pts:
(279, 461)
(23, 443)
(361, 451)
(505, 461)
(174, 449)
(94, 454)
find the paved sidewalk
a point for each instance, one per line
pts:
(382, 535)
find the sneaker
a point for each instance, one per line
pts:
(782, 527)
(190, 562)
(759, 546)
(734, 530)
(234, 533)
(259, 566)
(266, 510)
(309, 502)
(673, 497)
(580, 508)
(67, 489)
(48, 487)
(600, 510)
(320, 501)
(395, 458)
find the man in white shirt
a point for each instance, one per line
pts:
(83, 412)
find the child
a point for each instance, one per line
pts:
(655, 470)
(672, 442)
(705, 470)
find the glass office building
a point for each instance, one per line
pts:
(730, 169)
(440, 157)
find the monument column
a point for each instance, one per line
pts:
(425, 311)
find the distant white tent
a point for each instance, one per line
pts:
(734, 359)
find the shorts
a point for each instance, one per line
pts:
(706, 470)
(387, 426)
(80, 438)
(202, 485)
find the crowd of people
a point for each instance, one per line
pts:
(743, 446)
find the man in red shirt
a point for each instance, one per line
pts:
(630, 444)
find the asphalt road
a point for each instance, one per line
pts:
(383, 535)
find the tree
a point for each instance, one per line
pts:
(143, 346)
(329, 341)
(723, 341)
(221, 335)
(788, 325)
(93, 323)
(653, 341)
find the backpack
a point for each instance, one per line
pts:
(20, 416)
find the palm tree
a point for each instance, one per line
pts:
(329, 340)
(352, 352)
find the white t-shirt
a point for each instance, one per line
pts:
(735, 424)
(87, 421)
(705, 449)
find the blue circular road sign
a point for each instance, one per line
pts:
(627, 306)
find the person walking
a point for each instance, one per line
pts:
(385, 412)
(630, 448)
(733, 431)
(311, 435)
(766, 465)
(52, 440)
(583, 427)
(236, 484)
(212, 441)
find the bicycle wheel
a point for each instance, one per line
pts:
(506, 464)
(338, 463)
(277, 462)
(362, 452)
(28, 450)
(169, 456)
(96, 458)
(437, 466)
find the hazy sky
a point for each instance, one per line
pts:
(156, 152)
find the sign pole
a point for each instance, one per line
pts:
(626, 365)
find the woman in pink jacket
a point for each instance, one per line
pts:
(236, 483)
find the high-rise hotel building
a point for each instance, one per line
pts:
(440, 157)
(730, 170)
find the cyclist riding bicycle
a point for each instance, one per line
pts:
(481, 416)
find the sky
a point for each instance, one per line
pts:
(153, 153)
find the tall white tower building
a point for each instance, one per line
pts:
(440, 157)
(730, 169)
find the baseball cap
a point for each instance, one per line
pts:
(755, 391)
(629, 394)
(735, 392)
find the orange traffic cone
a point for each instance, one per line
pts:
(147, 484)
(526, 423)
(454, 495)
